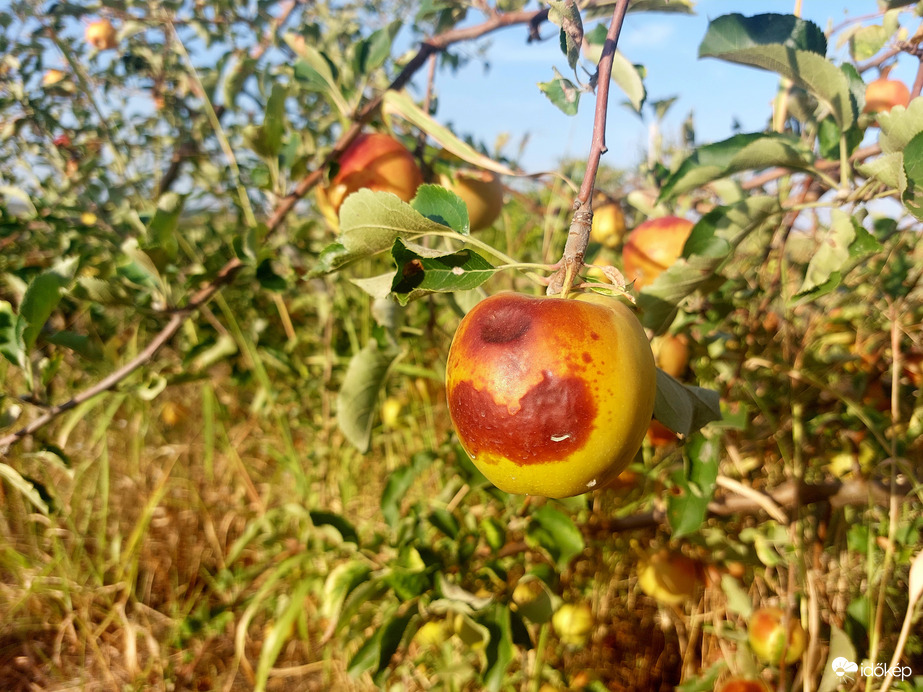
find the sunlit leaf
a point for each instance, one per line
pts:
(358, 398)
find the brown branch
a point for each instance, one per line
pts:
(579, 234)
(227, 273)
(822, 164)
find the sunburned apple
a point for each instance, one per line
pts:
(652, 247)
(375, 161)
(550, 396)
(771, 641)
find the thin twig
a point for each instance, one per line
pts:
(579, 234)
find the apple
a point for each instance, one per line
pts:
(652, 247)
(432, 634)
(391, 412)
(52, 77)
(669, 577)
(375, 161)
(482, 193)
(671, 353)
(743, 685)
(573, 624)
(771, 642)
(608, 225)
(660, 435)
(882, 94)
(550, 396)
(101, 34)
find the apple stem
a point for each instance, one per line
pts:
(579, 234)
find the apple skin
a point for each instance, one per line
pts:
(767, 636)
(101, 34)
(482, 193)
(881, 95)
(573, 624)
(669, 577)
(550, 396)
(608, 225)
(652, 247)
(375, 161)
(671, 353)
(742, 685)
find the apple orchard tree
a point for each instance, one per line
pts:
(227, 450)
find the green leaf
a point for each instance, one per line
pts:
(42, 297)
(339, 584)
(912, 195)
(687, 509)
(273, 127)
(161, 230)
(739, 153)
(738, 600)
(866, 41)
(628, 78)
(340, 523)
(398, 483)
(556, 533)
(390, 641)
(734, 32)
(443, 520)
(358, 397)
(12, 344)
(787, 46)
(419, 273)
(279, 634)
(832, 252)
(443, 206)
(25, 487)
(709, 245)
(684, 409)
(379, 46)
(499, 652)
(566, 14)
(562, 93)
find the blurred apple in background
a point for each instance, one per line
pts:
(652, 247)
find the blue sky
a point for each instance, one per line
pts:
(505, 98)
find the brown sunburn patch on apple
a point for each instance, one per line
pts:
(554, 419)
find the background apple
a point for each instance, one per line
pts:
(573, 624)
(882, 94)
(669, 577)
(550, 396)
(608, 225)
(101, 34)
(771, 641)
(52, 77)
(482, 192)
(375, 161)
(652, 247)
(743, 685)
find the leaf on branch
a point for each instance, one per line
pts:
(709, 245)
(566, 14)
(443, 206)
(562, 93)
(788, 46)
(358, 397)
(831, 254)
(754, 151)
(687, 508)
(684, 409)
(422, 270)
(912, 194)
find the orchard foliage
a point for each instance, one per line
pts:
(200, 488)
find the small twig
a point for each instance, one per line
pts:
(763, 500)
(579, 234)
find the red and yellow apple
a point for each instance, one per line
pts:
(771, 641)
(482, 193)
(573, 624)
(882, 94)
(550, 396)
(669, 577)
(608, 225)
(101, 34)
(375, 161)
(652, 247)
